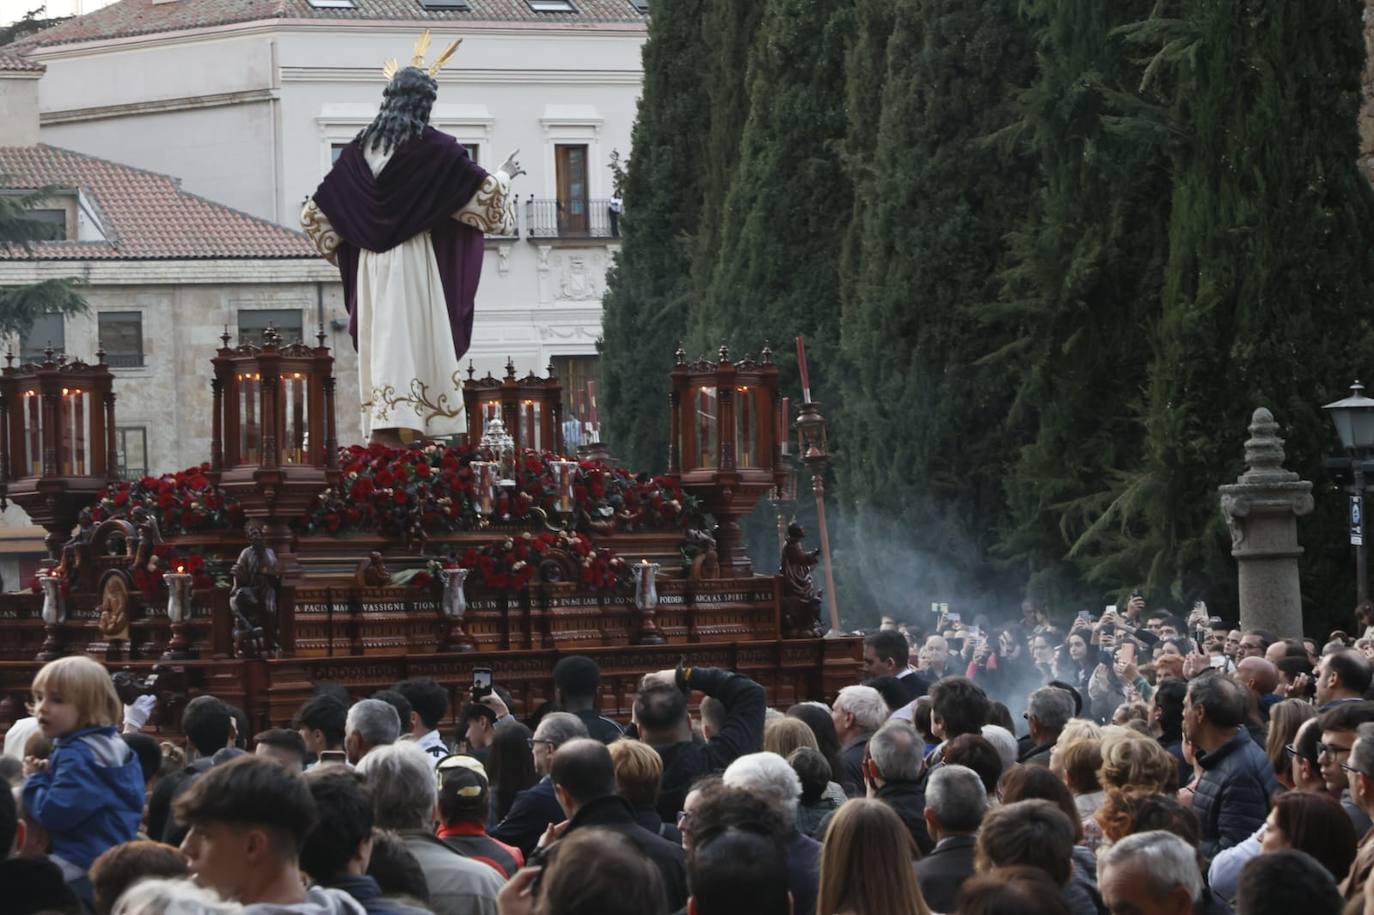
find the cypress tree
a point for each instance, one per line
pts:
(776, 271)
(924, 419)
(865, 70)
(648, 292)
(1267, 289)
(1083, 284)
(730, 28)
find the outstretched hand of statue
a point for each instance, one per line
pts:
(512, 167)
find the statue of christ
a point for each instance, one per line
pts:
(402, 214)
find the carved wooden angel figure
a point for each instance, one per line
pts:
(402, 214)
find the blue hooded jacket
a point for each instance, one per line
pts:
(91, 797)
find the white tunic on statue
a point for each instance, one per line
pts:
(408, 373)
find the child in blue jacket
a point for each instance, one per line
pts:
(89, 793)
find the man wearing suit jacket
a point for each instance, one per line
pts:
(887, 654)
(955, 804)
(534, 809)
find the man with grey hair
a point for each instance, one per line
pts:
(371, 723)
(1231, 799)
(535, 809)
(857, 713)
(1049, 709)
(955, 803)
(404, 796)
(770, 775)
(894, 770)
(1152, 873)
(1359, 770)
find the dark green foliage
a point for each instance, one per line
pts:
(21, 305)
(776, 275)
(648, 292)
(1266, 296)
(1084, 286)
(924, 422)
(31, 23)
(730, 28)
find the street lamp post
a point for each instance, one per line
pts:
(1353, 418)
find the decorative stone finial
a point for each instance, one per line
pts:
(724, 353)
(767, 353)
(319, 334)
(679, 355)
(1264, 449)
(224, 337)
(472, 372)
(510, 369)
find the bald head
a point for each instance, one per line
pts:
(582, 772)
(1258, 674)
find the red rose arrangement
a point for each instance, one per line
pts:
(185, 502)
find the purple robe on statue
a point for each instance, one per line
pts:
(426, 181)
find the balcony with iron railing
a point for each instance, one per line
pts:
(124, 360)
(577, 219)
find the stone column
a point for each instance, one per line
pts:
(1261, 509)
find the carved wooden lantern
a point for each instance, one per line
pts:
(274, 444)
(531, 407)
(724, 441)
(57, 439)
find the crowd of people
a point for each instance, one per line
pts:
(1136, 763)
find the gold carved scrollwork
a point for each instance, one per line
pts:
(316, 227)
(385, 399)
(491, 209)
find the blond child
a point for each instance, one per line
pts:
(89, 793)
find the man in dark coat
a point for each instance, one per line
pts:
(1049, 709)
(584, 781)
(1232, 797)
(535, 808)
(955, 804)
(894, 767)
(661, 716)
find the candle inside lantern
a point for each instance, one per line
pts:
(181, 569)
(801, 368)
(785, 437)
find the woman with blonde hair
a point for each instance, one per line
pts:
(1076, 729)
(785, 735)
(1132, 765)
(1284, 720)
(866, 864)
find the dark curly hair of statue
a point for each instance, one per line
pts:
(406, 103)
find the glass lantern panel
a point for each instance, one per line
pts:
(295, 419)
(74, 410)
(250, 428)
(706, 415)
(33, 432)
(746, 428)
(531, 415)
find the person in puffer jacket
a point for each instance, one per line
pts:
(1232, 798)
(89, 793)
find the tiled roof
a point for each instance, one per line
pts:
(12, 61)
(144, 215)
(144, 17)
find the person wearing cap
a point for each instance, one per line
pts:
(479, 730)
(463, 802)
